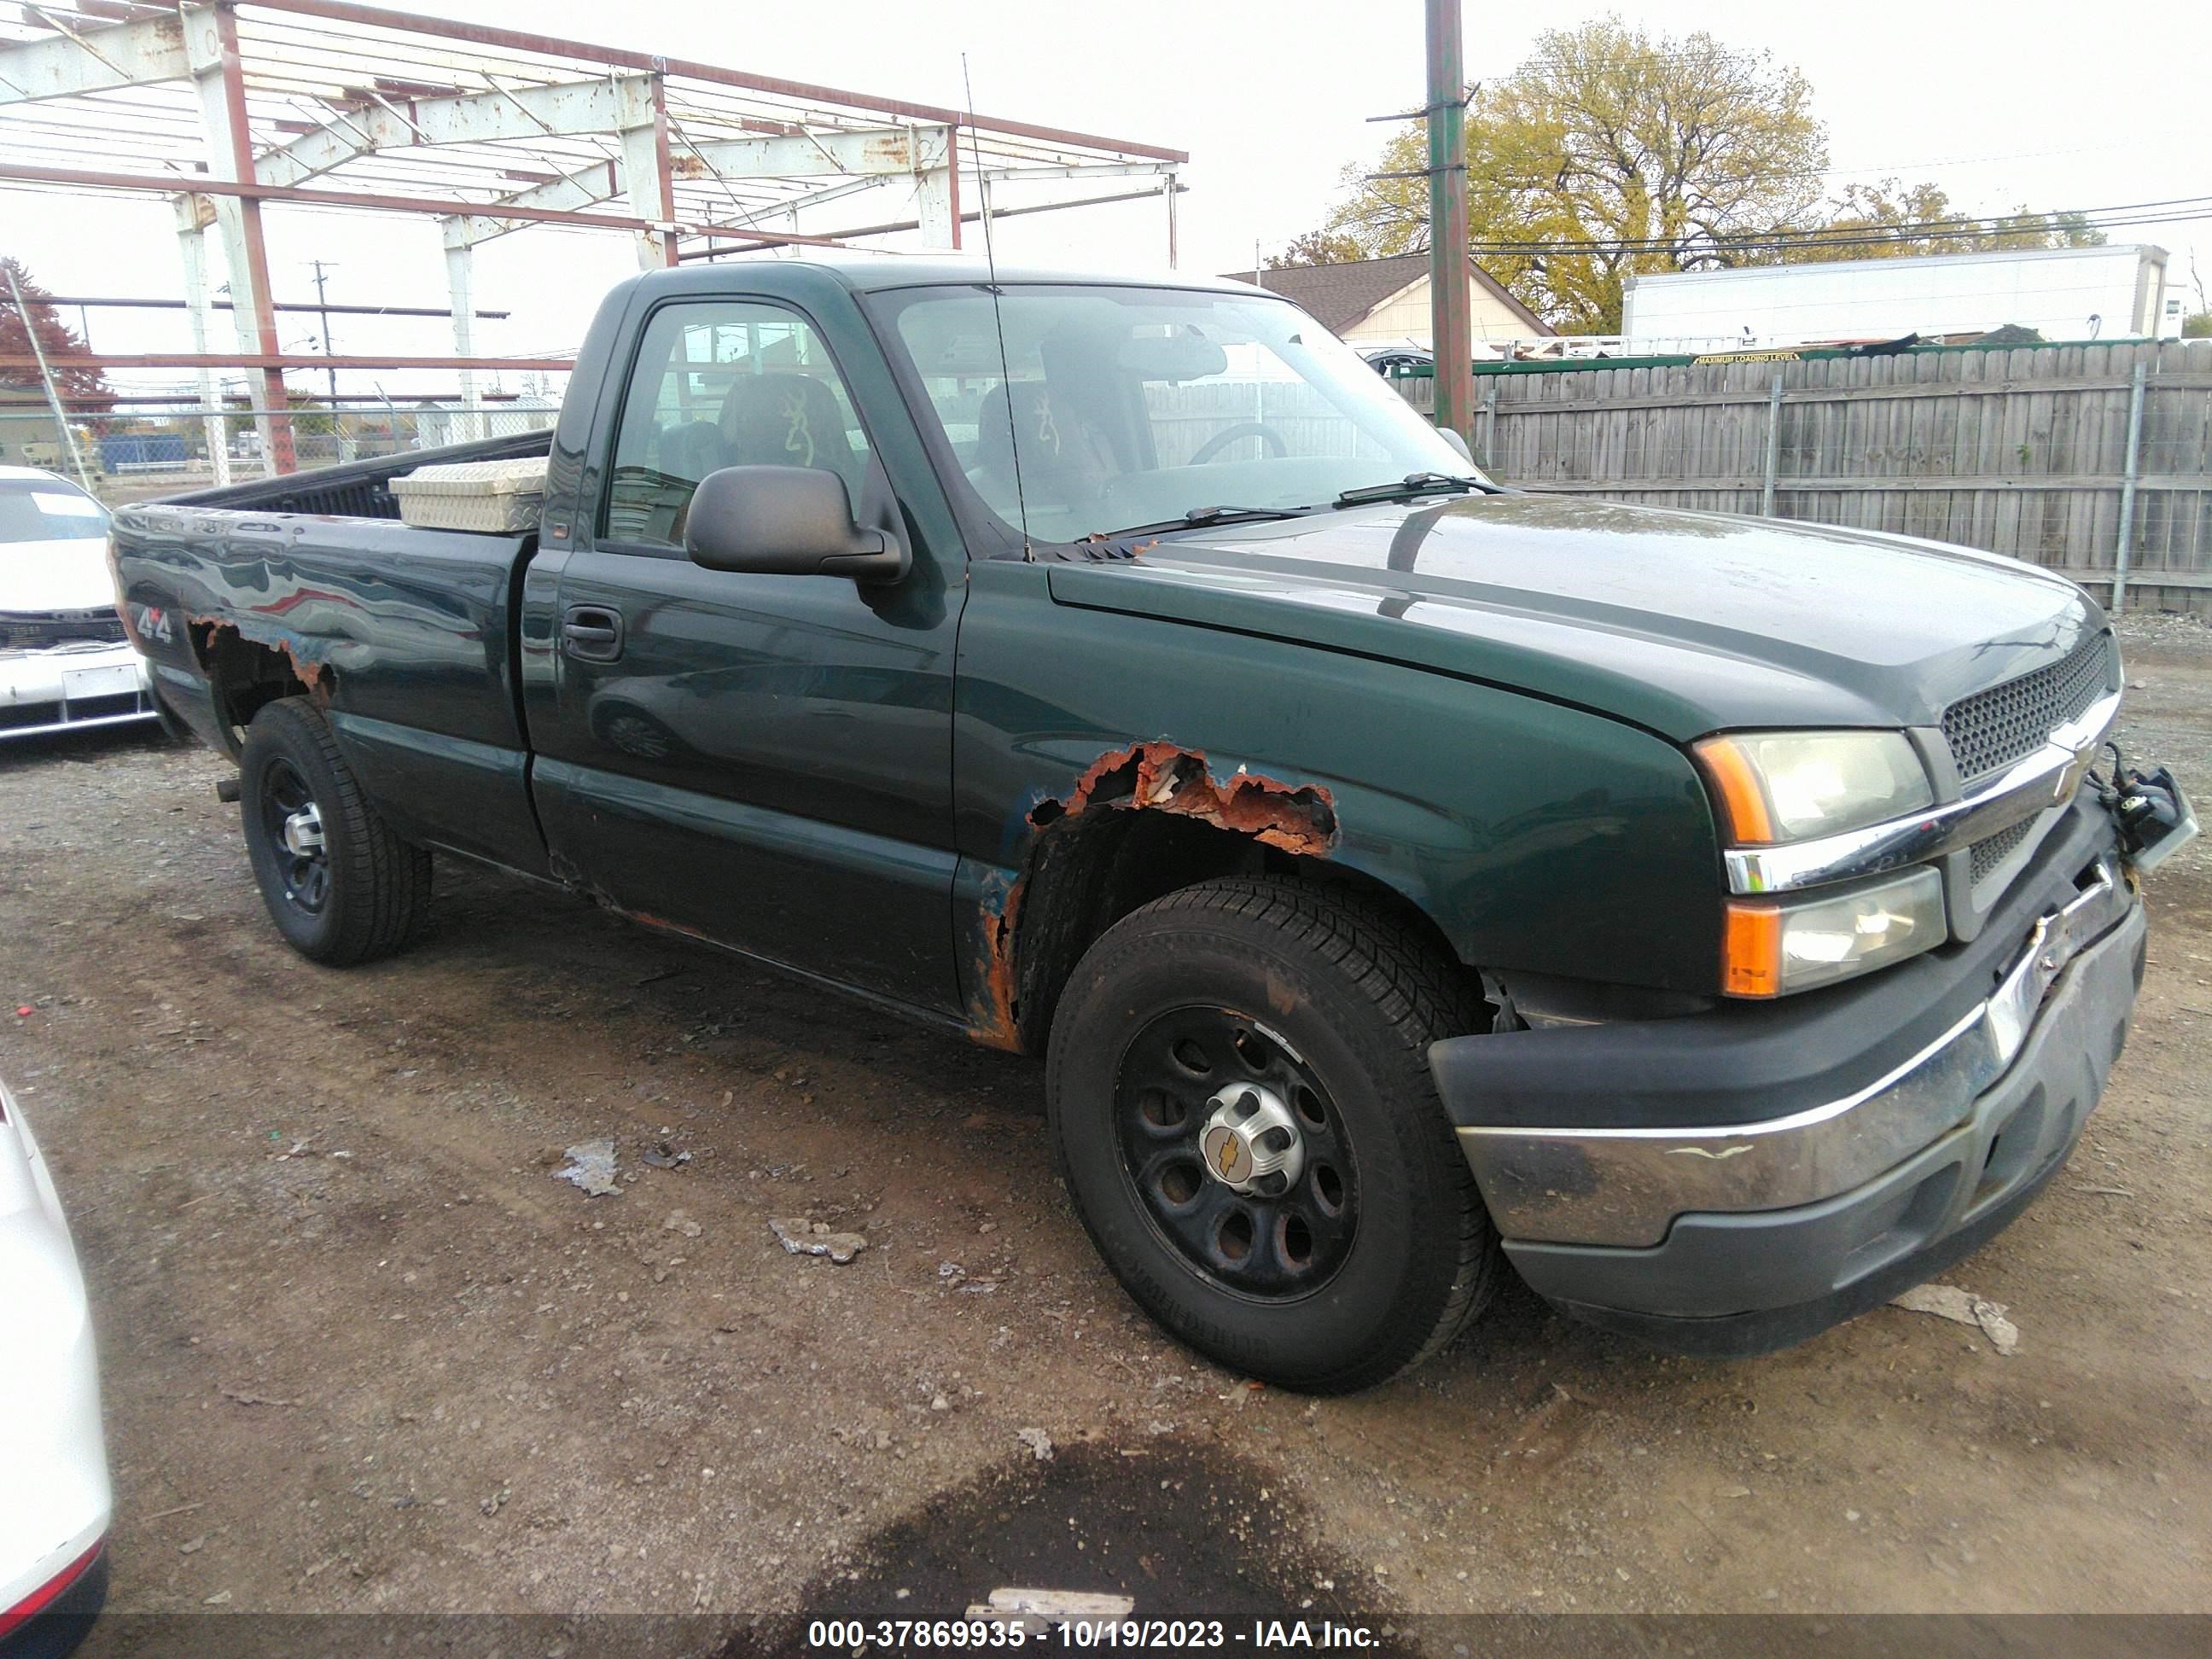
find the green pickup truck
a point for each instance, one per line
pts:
(1724, 922)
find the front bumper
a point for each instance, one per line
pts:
(1735, 1180)
(67, 687)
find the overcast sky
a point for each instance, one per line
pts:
(2055, 106)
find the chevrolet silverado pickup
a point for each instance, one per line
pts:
(1725, 923)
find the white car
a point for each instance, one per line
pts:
(55, 1502)
(64, 662)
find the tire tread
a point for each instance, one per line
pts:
(391, 875)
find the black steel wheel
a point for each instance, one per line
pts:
(294, 825)
(1236, 1152)
(1239, 1094)
(339, 883)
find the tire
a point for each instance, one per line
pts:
(1328, 1004)
(364, 895)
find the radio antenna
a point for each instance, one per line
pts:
(998, 317)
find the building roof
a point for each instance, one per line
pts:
(1339, 295)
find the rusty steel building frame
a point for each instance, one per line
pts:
(226, 106)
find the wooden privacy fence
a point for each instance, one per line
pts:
(2095, 460)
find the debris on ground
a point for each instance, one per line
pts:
(246, 1397)
(1037, 1610)
(662, 1156)
(1963, 1308)
(678, 1222)
(591, 1166)
(804, 1237)
(1038, 1442)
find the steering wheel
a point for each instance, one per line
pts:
(1269, 438)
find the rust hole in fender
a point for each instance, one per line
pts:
(211, 632)
(1146, 777)
(1161, 777)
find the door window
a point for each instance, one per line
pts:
(725, 383)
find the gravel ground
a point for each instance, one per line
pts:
(363, 1351)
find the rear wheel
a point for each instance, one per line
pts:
(1240, 1095)
(340, 885)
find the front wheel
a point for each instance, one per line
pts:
(340, 884)
(1240, 1096)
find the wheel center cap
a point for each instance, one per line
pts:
(303, 832)
(1251, 1142)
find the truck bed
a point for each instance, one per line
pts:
(405, 636)
(358, 488)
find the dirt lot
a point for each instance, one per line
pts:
(364, 1353)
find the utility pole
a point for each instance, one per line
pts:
(1450, 300)
(322, 311)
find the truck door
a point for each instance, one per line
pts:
(762, 759)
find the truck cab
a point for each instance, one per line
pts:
(1724, 923)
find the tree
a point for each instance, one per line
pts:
(2197, 325)
(82, 385)
(1609, 135)
(1610, 152)
(1318, 247)
(1876, 221)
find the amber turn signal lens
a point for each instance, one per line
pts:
(1751, 951)
(1743, 802)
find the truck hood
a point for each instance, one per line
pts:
(70, 574)
(1685, 622)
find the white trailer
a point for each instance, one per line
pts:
(2067, 294)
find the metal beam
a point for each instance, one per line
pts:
(219, 79)
(567, 110)
(600, 182)
(771, 239)
(1083, 170)
(439, 207)
(279, 359)
(481, 34)
(72, 62)
(767, 210)
(191, 247)
(648, 180)
(127, 303)
(812, 154)
(460, 284)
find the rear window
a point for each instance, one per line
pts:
(42, 510)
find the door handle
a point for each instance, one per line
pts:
(592, 632)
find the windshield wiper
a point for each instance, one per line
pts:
(1200, 517)
(1413, 484)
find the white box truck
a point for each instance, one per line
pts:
(2114, 293)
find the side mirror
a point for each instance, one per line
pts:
(1457, 442)
(786, 521)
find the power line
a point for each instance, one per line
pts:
(1785, 243)
(2117, 215)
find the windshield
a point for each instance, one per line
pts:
(1119, 407)
(48, 510)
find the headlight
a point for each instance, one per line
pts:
(1772, 950)
(1797, 786)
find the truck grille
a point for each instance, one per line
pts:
(27, 631)
(1993, 729)
(1988, 855)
